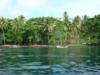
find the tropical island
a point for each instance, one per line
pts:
(50, 37)
(50, 31)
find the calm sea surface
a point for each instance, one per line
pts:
(74, 60)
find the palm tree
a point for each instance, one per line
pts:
(67, 27)
(76, 27)
(49, 27)
(3, 27)
(17, 28)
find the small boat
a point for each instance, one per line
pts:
(15, 46)
(59, 46)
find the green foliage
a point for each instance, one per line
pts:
(50, 30)
(91, 29)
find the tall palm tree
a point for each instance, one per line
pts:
(67, 27)
(76, 27)
(17, 26)
(3, 27)
(49, 26)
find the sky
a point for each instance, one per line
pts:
(55, 8)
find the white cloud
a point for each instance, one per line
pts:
(79, 7)
(30, 8)
(4, 7)
(24, 4)
(13, 8)
(26, 7)
(3, 4)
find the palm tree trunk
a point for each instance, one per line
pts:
(48, 39)
(3, 36)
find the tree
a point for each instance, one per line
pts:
(17, 29)
(91, 29)
(3, 27)
(76, 27)
(67, 27)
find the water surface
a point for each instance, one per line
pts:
(75, 60)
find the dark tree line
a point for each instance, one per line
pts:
(50, 30)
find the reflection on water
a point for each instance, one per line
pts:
(77, 60)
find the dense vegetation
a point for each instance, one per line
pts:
(50, 30)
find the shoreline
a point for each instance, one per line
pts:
(31, 46)
(40, 46)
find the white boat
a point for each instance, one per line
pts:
(59, 46)
(15, 46)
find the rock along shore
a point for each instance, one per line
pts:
(18, 46)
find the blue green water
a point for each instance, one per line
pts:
(75, 60)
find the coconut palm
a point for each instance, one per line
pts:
(3, 27)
